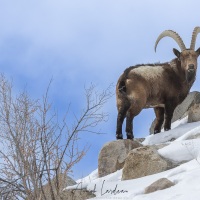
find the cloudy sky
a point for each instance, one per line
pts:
(78, 42)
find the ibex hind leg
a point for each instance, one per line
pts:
(129, 126)
(122, 110)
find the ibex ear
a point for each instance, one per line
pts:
(176, 52)
(198, 51)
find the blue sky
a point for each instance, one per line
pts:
(78, 42)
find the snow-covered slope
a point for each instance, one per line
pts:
(186, 176)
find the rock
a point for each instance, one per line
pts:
(159, 146)
(76, 194)
(64, 181)
(194, 113)
(191, 137)
(113, 154)
(182, 110)
(143, 161)
(140, 140)
(194, 110)
(70, 181)
(160, 184)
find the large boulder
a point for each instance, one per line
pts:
(113, 154)
(160, 184)
(194, 110)
(143, 161)
(182, 110)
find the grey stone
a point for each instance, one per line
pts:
(70, 181)
(160, 184)
(159, 146)
(196, 136)
(140, 140)
(63, 181)
(113, 154)
(143, 161)
(77, 195)
(194, 110)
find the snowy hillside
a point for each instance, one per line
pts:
(186, 177)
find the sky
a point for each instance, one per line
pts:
(81, 42)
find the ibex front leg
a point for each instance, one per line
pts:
(169, 110)
(159, 111)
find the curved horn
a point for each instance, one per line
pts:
(173, 35)
(194, 37)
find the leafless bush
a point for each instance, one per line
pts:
(37, 151)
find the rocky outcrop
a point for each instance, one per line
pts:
(143, 161)
(113, 154)
(76, 195)
(183, 109)
(194, 110)
(63, 181)
(191, 137)
(160, 184)
(68, 182)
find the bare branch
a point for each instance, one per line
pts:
(35, 160)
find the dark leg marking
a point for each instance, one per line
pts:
(169, 110)
(120, 119)
(129, 126)
(159, 111)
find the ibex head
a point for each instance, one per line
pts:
(187, 57)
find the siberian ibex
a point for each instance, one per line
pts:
(161, 86)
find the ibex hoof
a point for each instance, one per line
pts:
(156, 131)
(119, 136)
(130, 136)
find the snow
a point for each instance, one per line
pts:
(179, 128)
(182, 147)
(181, 151)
